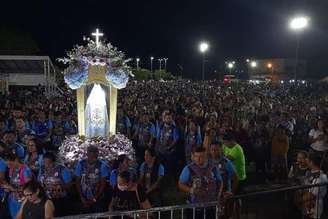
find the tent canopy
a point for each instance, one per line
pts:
(23, 64)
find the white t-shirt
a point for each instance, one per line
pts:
(319, 192)
(318, 145)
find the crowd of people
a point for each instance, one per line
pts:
(202, 135)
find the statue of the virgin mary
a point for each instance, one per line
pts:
(96, 116)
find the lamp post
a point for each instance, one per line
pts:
(138, 60)
(151, 64)
(253, 64)
(230, 66)
(203, 47)
(160, 67)
(160, 64)
(270, 66)
(298, 24)
(165, 62)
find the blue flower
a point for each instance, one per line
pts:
(118, 78)
(77, 77)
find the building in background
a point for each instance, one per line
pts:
(277, 69)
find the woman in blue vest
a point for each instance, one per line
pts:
(121, 164)
(150, 177)
(34, 156)
(19, 175)
(56, 181)
(144, 133)
(193, 138)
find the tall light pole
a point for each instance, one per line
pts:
(160, 67)
(138, 60)
(253, 64)
(160, 64)
(230, 66)
(203, 47)
(151, 63)
(298, 24)
(165, 61)
(270, 66)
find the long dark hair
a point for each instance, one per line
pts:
(33, 186)
(11, 156)
(154, 171)
(37, 145)
(119, 160)
(126, 175)
(152, 152)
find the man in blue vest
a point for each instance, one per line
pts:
(225, 166)
(10, 145)
(42, 127)
(166, 143)
(202, 181)
(91, 174)
(144, 133)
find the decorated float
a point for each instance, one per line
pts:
(96, 71)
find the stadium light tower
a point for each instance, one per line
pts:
(298, 24)
(253, 64)
(203, 47)
(230, 66)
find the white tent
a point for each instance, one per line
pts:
(27, 71)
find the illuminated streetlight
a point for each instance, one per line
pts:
(138, 60)
(230, 66)
(253, 64)
(160, 64)
(270, 66)
(203, 47)
(151, 64)
(165, 61)
(298, 24)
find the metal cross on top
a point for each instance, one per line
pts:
(97, 34)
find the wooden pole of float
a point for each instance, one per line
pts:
(80, 94)
(112, 110)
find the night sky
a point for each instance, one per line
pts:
(235, 29)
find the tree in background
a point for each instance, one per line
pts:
(145, 74)
(141, 74)
(162, 74)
